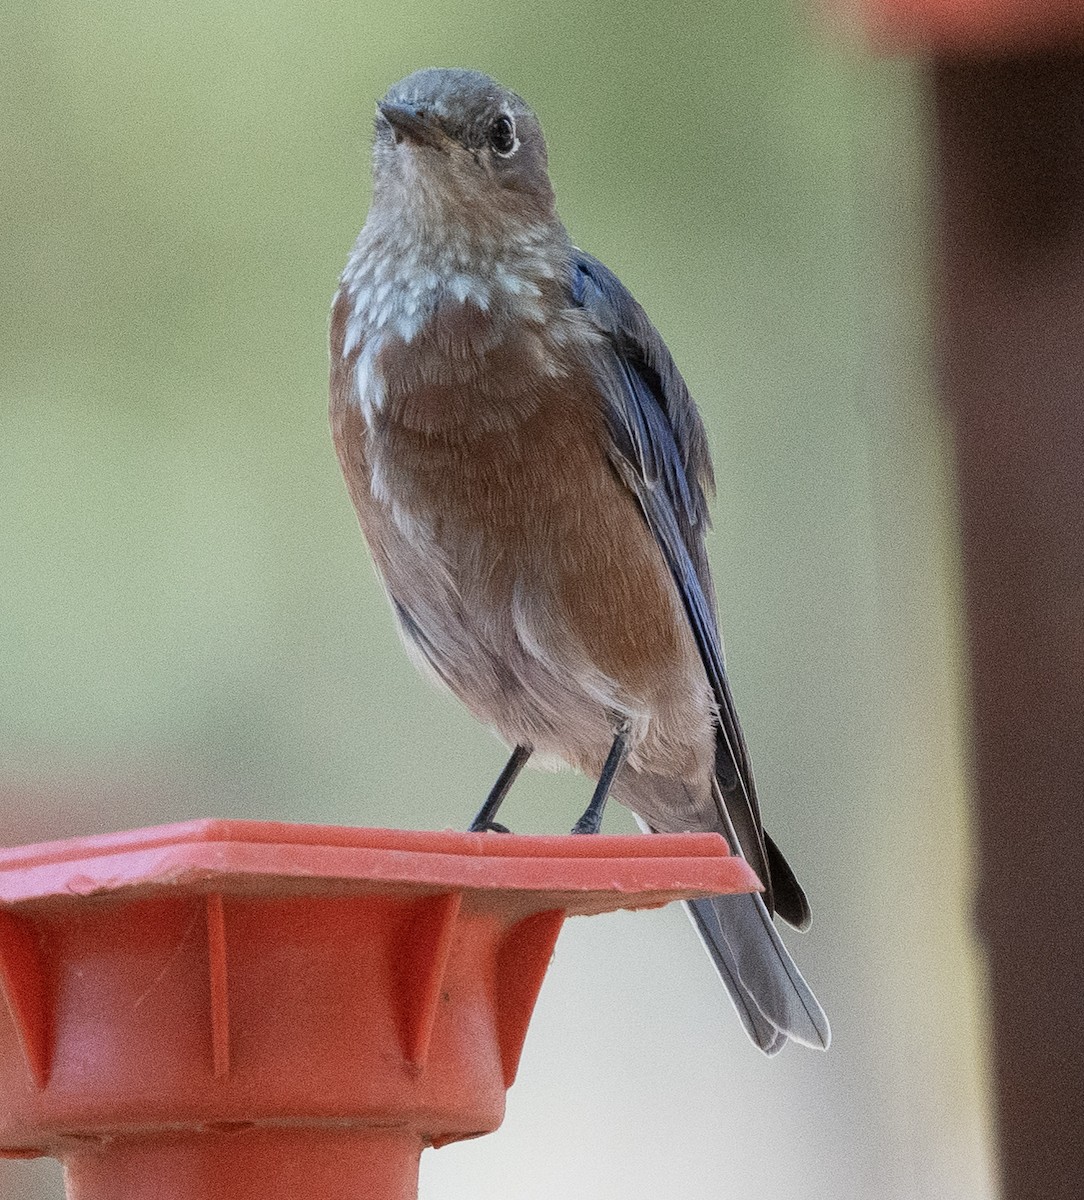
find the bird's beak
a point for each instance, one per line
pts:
(415, 124)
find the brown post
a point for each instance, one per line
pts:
(1011, 147)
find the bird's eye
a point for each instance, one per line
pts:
(502, 135)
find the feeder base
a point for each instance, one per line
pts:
(250, 1164)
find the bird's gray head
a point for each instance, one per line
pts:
(454, 147)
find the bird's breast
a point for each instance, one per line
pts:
(468, 372)
(518, 563)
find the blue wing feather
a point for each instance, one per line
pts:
(660, 451)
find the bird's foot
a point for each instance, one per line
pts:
(488, 827)
(591, 821)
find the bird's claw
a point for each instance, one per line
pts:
(488, 827)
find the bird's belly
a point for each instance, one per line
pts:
(524, 576)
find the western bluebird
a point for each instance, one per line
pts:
(530, 472)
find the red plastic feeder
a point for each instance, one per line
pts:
(955, 26)
(233, 1009)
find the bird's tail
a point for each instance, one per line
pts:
(772, 999)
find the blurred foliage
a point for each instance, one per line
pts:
(189, 625)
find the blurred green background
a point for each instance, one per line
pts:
(189, 624)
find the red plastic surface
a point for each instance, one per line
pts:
(962, 25)
(240, 1009)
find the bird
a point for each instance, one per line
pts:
(532, 476)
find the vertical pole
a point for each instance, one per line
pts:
(1011, 164)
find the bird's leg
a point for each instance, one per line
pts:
(483, 822)
(591, 821)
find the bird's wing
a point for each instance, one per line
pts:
(660, 451)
